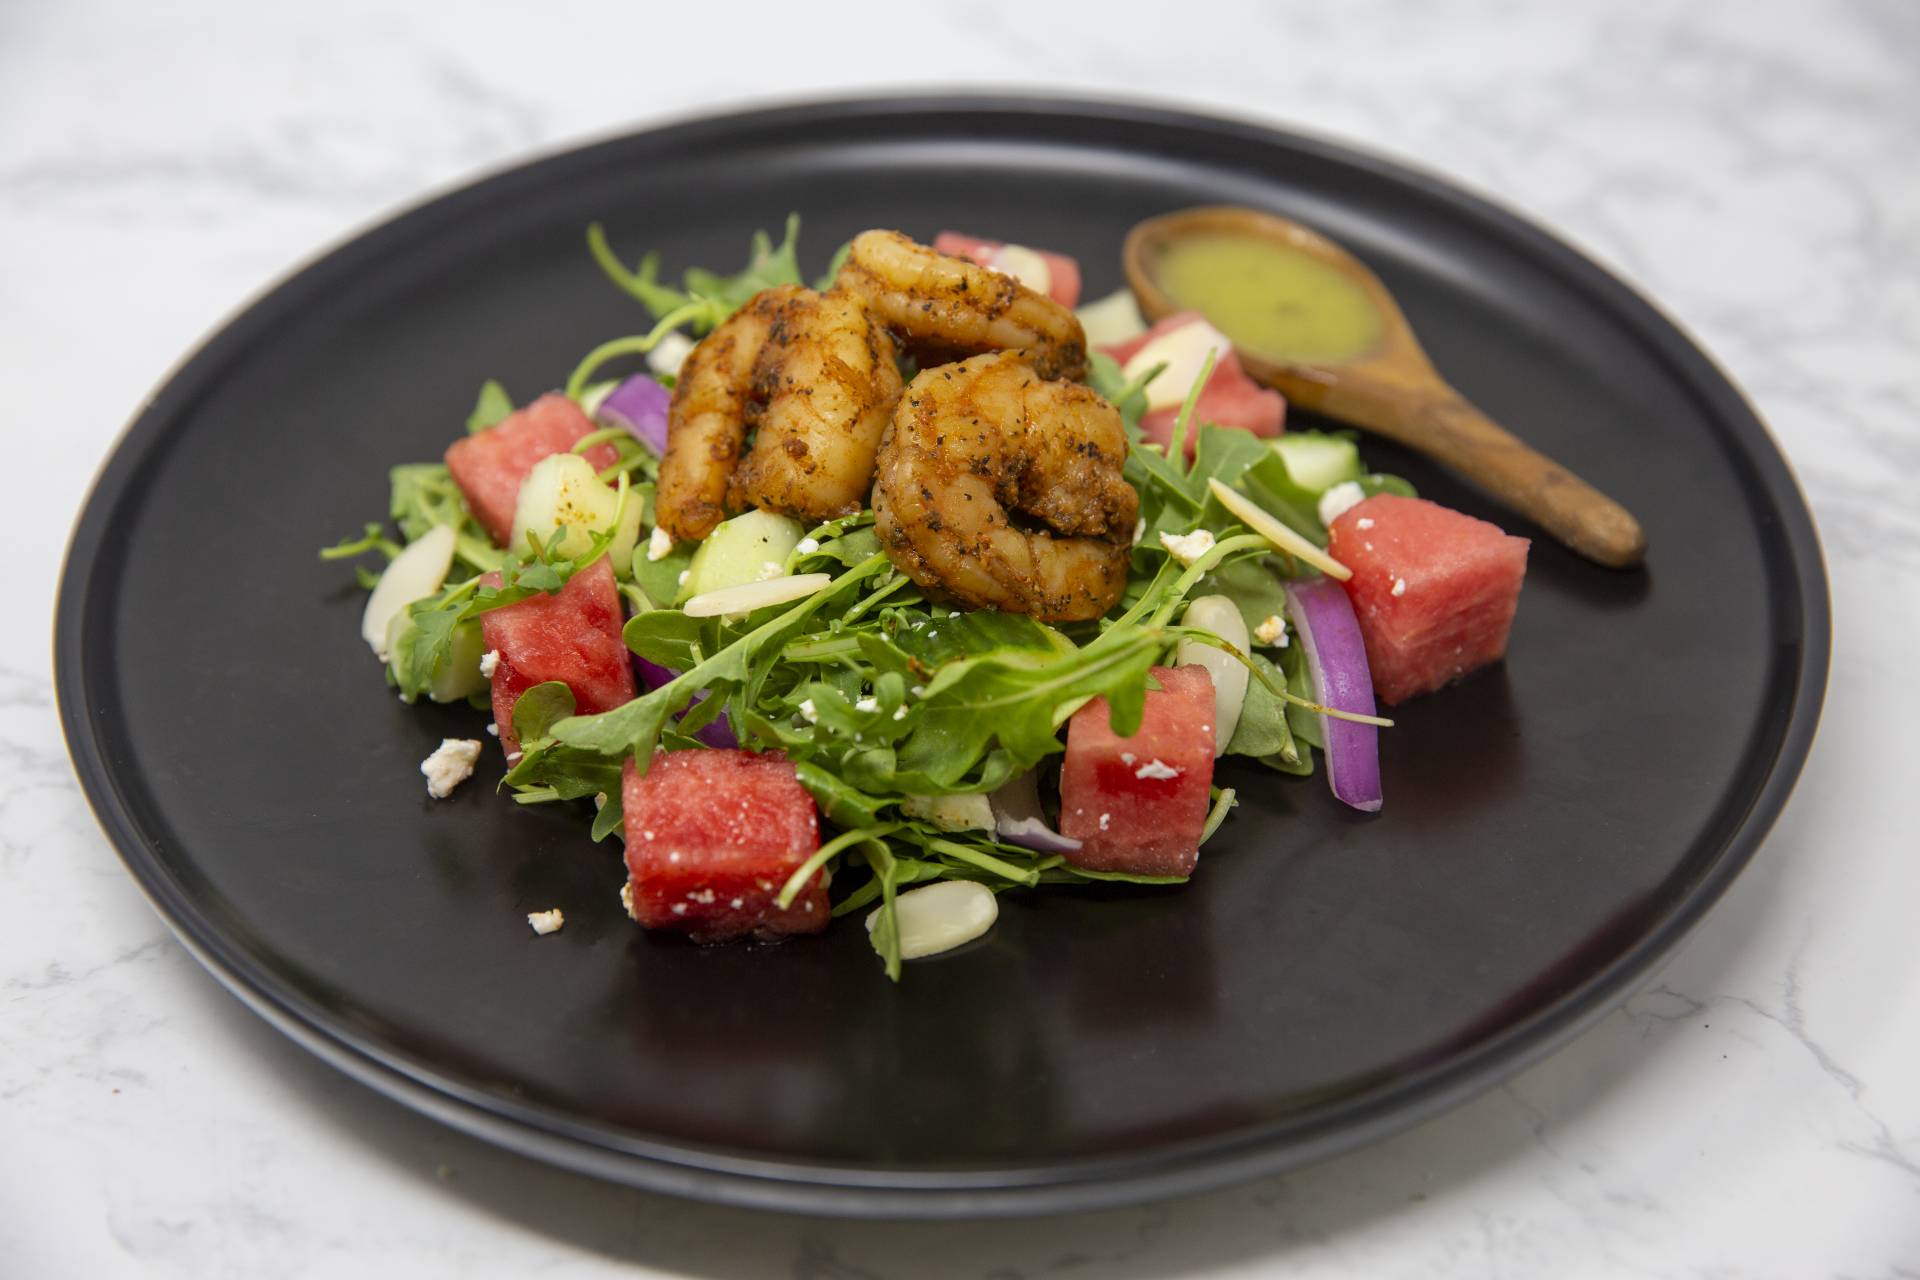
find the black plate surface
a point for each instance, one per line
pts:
(1552, 827)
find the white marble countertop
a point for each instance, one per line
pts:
(1756, 167)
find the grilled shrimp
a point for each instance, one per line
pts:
(976, 444)
(946, 307)
(707, 420)
(826, 383)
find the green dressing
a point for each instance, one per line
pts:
(1271, 299)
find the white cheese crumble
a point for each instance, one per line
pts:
(1338, 500)
(545, 922)
(489, 663)
(1364, 522)
(1187, 547)
(450, 765)
(1127, 757)
(669, 354)
(1272, 632)
(1156, 768)
(659, 544)
(808, 712)
(1399, 586)
(771, 570)
(900, 712)
(807, 546)
(866, 704)
(494, 729)
(1106, 820)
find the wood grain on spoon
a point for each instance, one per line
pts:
(1392, 388)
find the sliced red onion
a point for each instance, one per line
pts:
(718, 733)
(1019, 819)
(1337, 663)
(638, 406)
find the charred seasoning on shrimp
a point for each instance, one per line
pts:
(1001, 490)
(943, 307)
(825, 384)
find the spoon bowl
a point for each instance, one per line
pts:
(1384, 381)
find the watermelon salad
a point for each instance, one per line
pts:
(782, 728)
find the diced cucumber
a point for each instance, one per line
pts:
(461, 677)
(1112, 320)
(563, 492)
(740, 550)
(968, 812)
(1317, 461)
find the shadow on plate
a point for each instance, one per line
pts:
(1306, 1209)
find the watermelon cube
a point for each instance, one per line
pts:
(572, 637)
(1231, 398)
(712, 835)
(1434, 590)
(1063, 273)
(489, 465)
(1138, 804)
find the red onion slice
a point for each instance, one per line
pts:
(652, 676)
(1337, 663)
(1019, 819)
(638, 406)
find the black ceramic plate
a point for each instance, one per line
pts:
(1551, 828)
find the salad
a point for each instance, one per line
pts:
(883, 595)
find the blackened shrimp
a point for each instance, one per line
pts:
(825, 386)
(943, 307)
(707, 421)
(975, 446)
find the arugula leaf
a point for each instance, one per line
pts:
(540, 708)
(491, 409)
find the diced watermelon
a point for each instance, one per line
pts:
(1138, 804)
(712, 836)
(490, 465)
(1063, 272)
(1230, 399)
(572, 637)
(1434, 590)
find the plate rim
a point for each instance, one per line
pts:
(1063, 1186)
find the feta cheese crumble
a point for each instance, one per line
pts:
(1272, 632)
(1399, 586)
(489, 663)
(807, 546)
(1106, 820)
(1156, 768)
(1364, 522)
(808, 712)
(771, 570)
(669, 354)
(545, 922)
(659, 544)
(1187, 547)
(866, 704)
(1338, 500)
(450, 765)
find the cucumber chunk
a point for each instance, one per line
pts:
(563, 492)
(1316, 461)
(460, 678)
(740, 550)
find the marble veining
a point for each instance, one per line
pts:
(1754, 166)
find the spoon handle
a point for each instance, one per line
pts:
(1442, 424)
(1456, 434)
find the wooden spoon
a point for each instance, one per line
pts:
(1392, 389)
